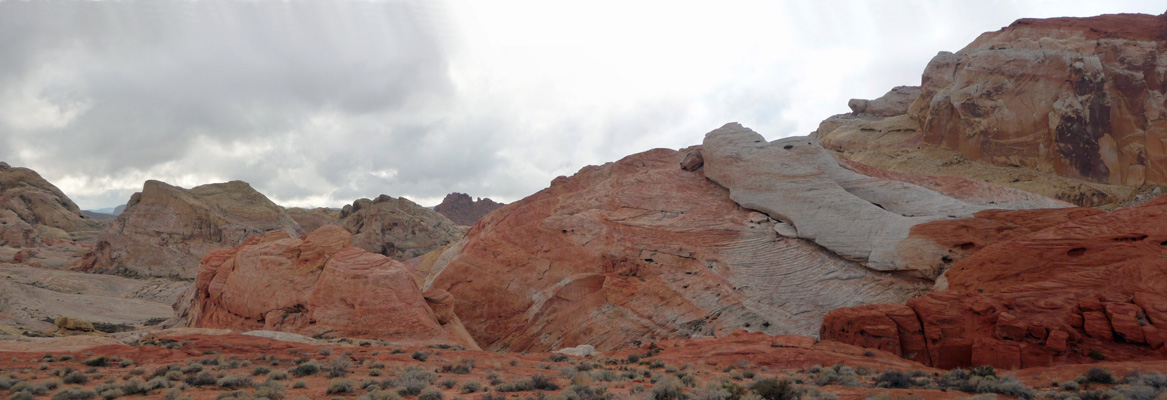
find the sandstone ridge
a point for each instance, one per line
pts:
(465, 211)
(32, 209)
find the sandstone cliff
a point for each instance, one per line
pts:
(31, 208)
(1071, 108)
(318, 285)
(1044, 287)
(165, 230)
(465, 211)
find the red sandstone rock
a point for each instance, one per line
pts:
(319, 285)
(1046, 293)
(463, 210)
(396, 227)
(1082, 97)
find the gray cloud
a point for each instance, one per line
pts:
(319, 103)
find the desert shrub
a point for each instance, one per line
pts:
(633, 358)
(604, 375)
(471, 386)
(430, 393)
(773, 389)
(338, 366)
(412, 380)
(984, 370)
(97, 361)
(1070, 386)
(461, 369)
(306, 369)
(337, 386)
(125, 363)
(543, 382)
(234, 395)
(1099, 375)
(134, 386)
(521, 385)
(6, 382)
(667, 389)
(448, 383)
(76, 378)
(74, 393)
(234, 382)
(1134, 392)
(277, 376)
(260, 371)
(377, 394)
(22, 396)
(710, 393)
(420, 355)
(584, 392)
(894, 379)
(557, 358)
(201, 379)
(299, 385)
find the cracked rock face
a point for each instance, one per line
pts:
(317, 285)
(1080, 97)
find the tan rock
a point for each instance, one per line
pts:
(73, 324)
(396, 227)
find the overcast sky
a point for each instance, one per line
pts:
(321, 103)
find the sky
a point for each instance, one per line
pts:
(321, 103)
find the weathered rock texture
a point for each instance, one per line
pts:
(1046, 287)
(1082, 97)
(651, 247)
(396, 227)
(860, 217)
(312, 219)
(318, 285)
(465, 211)
(165, 230)
(31, 208)
(1069, 108)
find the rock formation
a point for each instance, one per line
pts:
(1043, 287)
(1082, 97)
(1071, 108)
(652, 247)
(31, 208)
(318, 285)
(165, 230)
(396, 227)
(463, 210)
(312, 219)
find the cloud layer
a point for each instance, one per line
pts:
(320, 103)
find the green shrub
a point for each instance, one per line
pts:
(234, 382)
(667, 389)
(430, 393)
(421, 355)
(543, 382)
(260, 371)
(557, 358)
(306, 369)
(772, 389)
(1099, 375)
(97, 362)
(471, 386)
(76, 378)
(895, 380)
(203, 378)
(74, 393)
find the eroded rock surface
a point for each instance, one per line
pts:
(319, 285)
(1049, 287)
(465, 211)
(31, 208)
(397, 227)
(165, 230)
(1081, 97)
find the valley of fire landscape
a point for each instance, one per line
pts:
(996, 231)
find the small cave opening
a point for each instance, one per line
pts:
(1136, 238)
(788, 147)
(1077, 251)
(966, 246)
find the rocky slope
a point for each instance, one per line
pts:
(653, 247)
(165, 230)
(1062, 286)
(1077, 98)
(397, 227)
(318, 285)
(465, 211)
(31, 208)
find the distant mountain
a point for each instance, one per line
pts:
(31, 208)
(465, 211)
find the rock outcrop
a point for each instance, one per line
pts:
(465, 211)
(1081, 97)
(318, 285)
(312, 219)
(652, 247)
(1042, 287)
(31, 208)
(165, 230)
(1069, 108)
(396, 227)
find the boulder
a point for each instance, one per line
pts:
(318, 285)
(73, 324)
